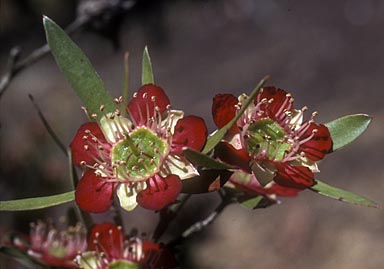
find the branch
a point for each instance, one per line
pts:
(15, 66)
(89, 13)
(117, 215)
(83, 216)
(201, 225)
(47, 126)
(167, 215)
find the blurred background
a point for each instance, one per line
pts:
(328, 54)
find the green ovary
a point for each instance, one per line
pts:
(121, 264)
(142, 151)
(57, 251)
(257, 141)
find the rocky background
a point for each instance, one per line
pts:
(329, 54)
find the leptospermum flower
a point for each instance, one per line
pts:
(140, 156)
(53, 247)
(275, 149)
(109, 249)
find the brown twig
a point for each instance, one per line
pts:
(89, 12)
(15, 66)
(200, 225)
(167, 215)
(117, 215)
(47, 126)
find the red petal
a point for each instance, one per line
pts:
(142, 107)
(93, 194)
(297, 177)
(107, 238)
(320, 144)
(224, 110)
(79, 154)
(157, 257)
(228, 154)
(149, 246)
(281, 102)
(190, 132)
(160, 192)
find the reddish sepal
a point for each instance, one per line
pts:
(253, 187)
(228, 154)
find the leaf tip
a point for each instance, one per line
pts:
(46, 19)
(266, 78)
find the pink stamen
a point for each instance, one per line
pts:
(287, 98)
(131, 117)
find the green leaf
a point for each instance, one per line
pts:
(342, 195)
(199, 159)
(147, 74)
(37, 202)
(248, 200)
(252, 202)
(125, 92)
(346, 129)
(78, 70)
(213, 140)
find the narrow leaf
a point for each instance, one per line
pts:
(346, 129)
(248, 200)
(37, 202)
(252, 202)
(213, 140)
(199, 159)
(78, 70)
(342, 195)
(47, 126)
(22, 257)
(147, 74)
(125, 92)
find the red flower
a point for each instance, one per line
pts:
(141, 157)
(109, 249)
(53, 247)
(271, 142)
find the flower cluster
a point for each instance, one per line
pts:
(53, 247)
(108, 249)
(275, 149)
(140, 156)
(147, 153)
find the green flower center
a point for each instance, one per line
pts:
(267, 136)
(139, 155)
(121, 264)
(57, 250)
